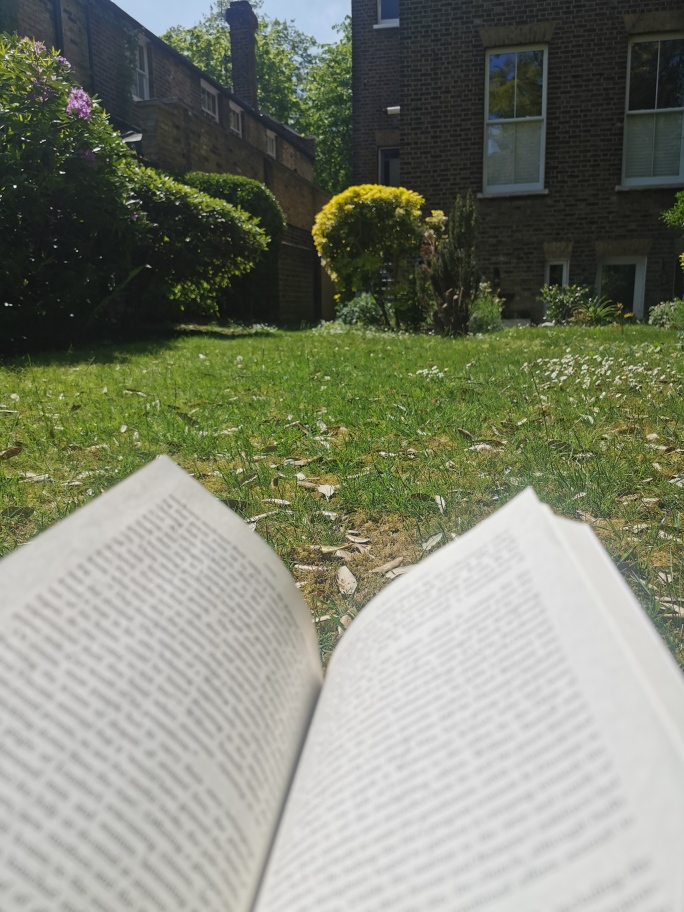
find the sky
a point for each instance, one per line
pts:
(313, 17)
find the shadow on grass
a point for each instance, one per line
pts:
(150, 341)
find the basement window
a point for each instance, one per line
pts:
(235, 119)
(209, 100)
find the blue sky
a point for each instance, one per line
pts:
(314, 17)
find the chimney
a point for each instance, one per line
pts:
(243, 25)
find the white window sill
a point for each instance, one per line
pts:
(506, 194)
(387, 23)
(674, 185)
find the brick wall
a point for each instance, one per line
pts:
(376, 86)
(442, 47)
(100, 42)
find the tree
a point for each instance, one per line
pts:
(284, 55)
(327, 110)
(368, 239)
(300, 83)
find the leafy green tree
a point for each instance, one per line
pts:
(327, 110)
(284, 55)
(300, 83)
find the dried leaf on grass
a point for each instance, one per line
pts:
(432, 542)
(400, 571)
(277, 501)
(390, 565)
(11, 451)
(33, 478)
(356, 538)
(346, 581)
(327, 490)
(441, 503)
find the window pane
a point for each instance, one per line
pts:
(500, 155)
(389, 9)
(142, 61)
(530, 84)
(671, 74)
(556, 274)
(502, 86)
(527, 152)
(618, 282)
(639, 138)
(389, 167)
(643, 77)
(667, 153)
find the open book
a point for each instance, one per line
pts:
(500, 729)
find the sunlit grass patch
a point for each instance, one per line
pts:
(317, 435)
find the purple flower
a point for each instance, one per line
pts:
(64, 62)
(79, 103)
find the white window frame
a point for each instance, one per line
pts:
(639, 280)
(385, 23)
(235, 114)
(565, 263)
(271, 144)
(208, 91)
(142, 45)
(668, 180)
(508, 189)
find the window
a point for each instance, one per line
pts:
(515, 120)
(235, 119)
(388, 12)
(654, 120)
(623, 281)
(142, 72)
(271, 143)
(557, 272)
(209, 100)
(389, 168)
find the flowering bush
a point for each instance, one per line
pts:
(66, 229)
(669, 315)
(90, 241)
(368, 238)
(486, 309)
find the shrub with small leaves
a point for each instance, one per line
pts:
(668, 315)
(362, 310)
(560, 302)
(485, 314)
(193, 244)
(368, 238)
(251, 297)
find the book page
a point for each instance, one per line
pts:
(483, 745)
(158, 670)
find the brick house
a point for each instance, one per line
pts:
(564, 117)
(189, 122)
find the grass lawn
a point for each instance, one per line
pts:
(357, 450)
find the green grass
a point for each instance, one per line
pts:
(592, 418)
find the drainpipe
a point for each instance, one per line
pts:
(89, 39)
(59, 28)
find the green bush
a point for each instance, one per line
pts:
(193, 245)
(485, 314)
(669, 315)
(448, 277)
(560, 303)
(362, 310)
(67, 216)
(368, 238)
(250, 297)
